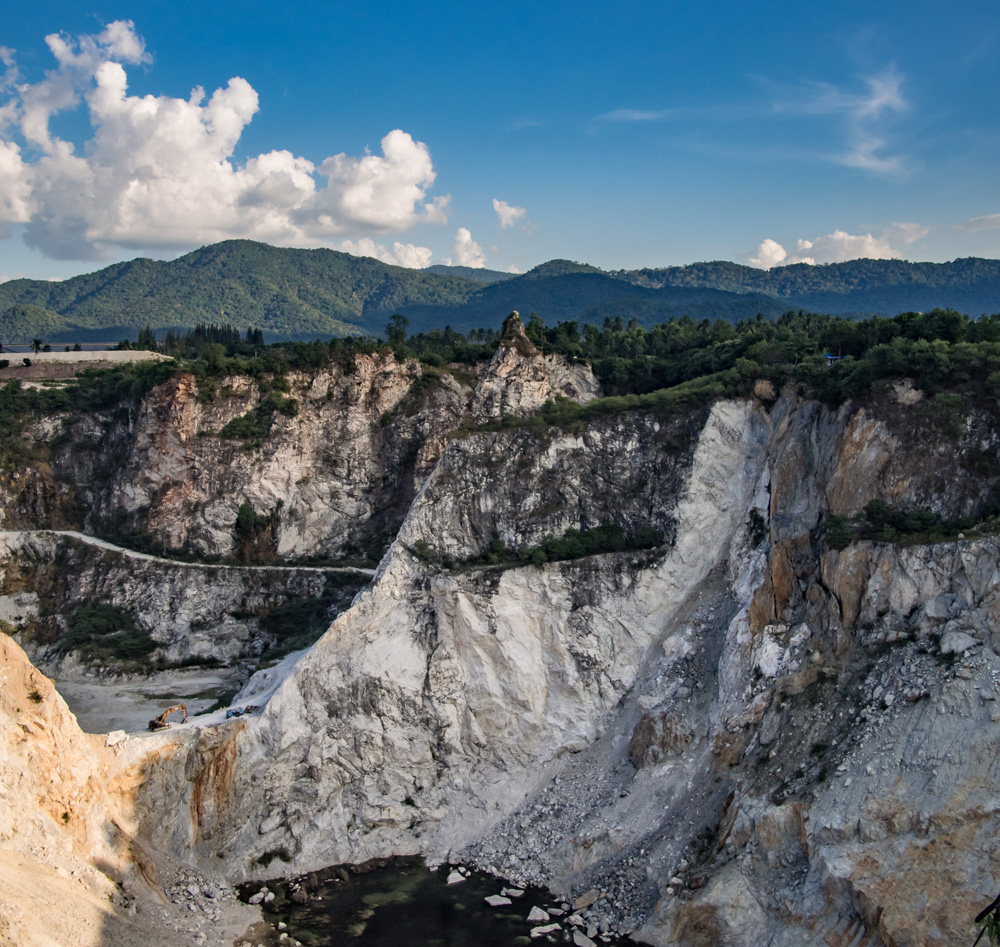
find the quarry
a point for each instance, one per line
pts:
(723, 727)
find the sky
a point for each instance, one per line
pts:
(501, 135)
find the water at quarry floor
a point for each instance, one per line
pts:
(402, 903)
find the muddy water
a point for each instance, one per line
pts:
(401, 903)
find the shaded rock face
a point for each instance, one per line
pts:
(192, 612)
(339, 476)
(742, 736)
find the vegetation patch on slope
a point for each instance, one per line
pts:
(573, 544)
(879, 522)
(107, 634)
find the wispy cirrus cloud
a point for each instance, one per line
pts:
(866, 116)
(637, 115)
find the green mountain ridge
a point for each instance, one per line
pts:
(287, 292)
(294, 293)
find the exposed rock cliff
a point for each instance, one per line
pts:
(72, 866)
(339, 475)
(742, 735)
(338, 472)
(520, 379)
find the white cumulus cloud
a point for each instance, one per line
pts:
(769, 253)
(507, 213)
(467, 251)
(401, 254)
(160, 171)
(840, 246)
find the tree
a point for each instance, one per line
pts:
(36, 344)
(395, 330)
(146, 340)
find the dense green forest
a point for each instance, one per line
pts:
(940, 348)
(292, 293)
(286, 292)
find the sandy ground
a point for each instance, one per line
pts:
(81, 880)
(52, 899)
(100, 708)
(60, 366)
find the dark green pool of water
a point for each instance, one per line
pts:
(402, 904)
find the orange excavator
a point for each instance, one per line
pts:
(160, 723)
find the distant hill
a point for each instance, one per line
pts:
(475, 273)
(287, 292)
(293, 293)
(884, 287)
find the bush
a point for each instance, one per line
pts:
(105, 634)
(837, 531)
(573, 544)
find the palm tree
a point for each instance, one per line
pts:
(37, 345)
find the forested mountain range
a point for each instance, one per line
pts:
(292, 293)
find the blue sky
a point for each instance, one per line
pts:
(502, 134)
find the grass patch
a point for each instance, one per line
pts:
(254, 426)
(573, 544)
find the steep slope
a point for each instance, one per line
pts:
(72, 868)
(693, 731)
(336, 471)
(737, 735)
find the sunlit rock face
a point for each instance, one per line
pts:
(735, 735)
(520, 379)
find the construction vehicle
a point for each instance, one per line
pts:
(160, 723)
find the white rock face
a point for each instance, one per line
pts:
(454, 690)
(740, 736)
(520, 379)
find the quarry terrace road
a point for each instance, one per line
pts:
(132, 554)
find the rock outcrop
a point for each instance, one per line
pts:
(520, 379)
(192, 612)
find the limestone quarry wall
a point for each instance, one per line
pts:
(740, 736)
(339, 475)
(734, 736)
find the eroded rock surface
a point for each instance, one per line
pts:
(740, 736)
